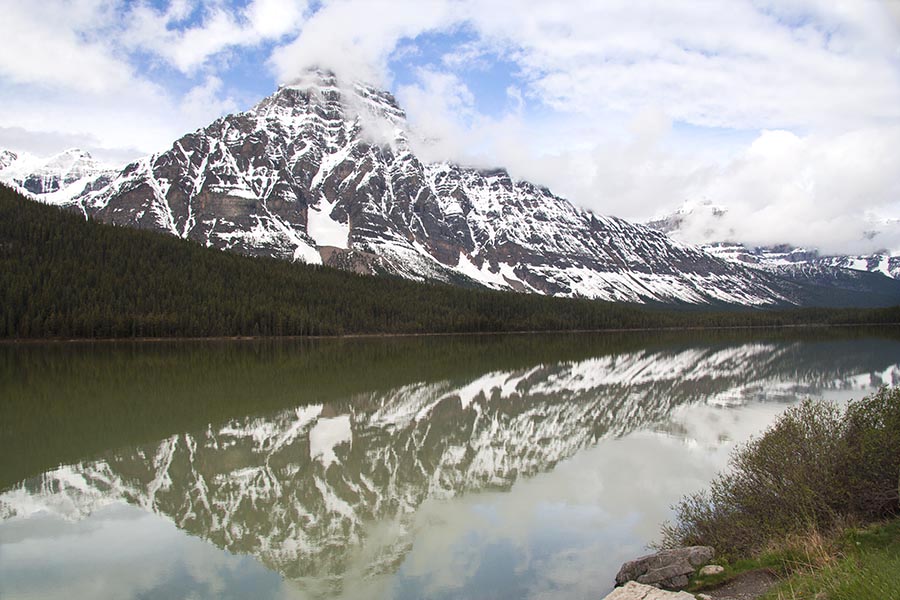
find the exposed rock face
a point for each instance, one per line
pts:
(670, 569)
(323, 172)
(639, 591)
(320, 164)
(7, 158)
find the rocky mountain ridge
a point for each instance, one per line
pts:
(323, 172)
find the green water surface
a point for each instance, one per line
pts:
(517, 466)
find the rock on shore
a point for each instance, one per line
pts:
(669, 569)
(638, 591)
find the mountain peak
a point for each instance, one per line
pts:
(321, 171)
(7, 157)
(323, 89)
(313, 76)
(43, 176)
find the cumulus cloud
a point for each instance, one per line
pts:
(824, 190)
(58, 48)
(73, 77)
(219, 28)
(440, 104)
(204, 102)
(830, 192)
(725, 64)
(356, 38)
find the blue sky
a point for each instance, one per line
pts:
(785, 112)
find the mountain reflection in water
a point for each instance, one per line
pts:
(335, 487)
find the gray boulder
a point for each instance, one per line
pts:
(669, 569)
(638, 591)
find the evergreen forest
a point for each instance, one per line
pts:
(64, 276)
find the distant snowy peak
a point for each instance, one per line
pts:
(688, 215)
(700, 219)
(777, 258)
(7, 157)
(886, 264)
(55, 179)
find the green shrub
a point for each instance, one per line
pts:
(872, 438)
(816, 467)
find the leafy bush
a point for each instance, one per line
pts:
(872, 438)
(818, 466)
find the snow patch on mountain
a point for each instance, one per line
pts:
(325, 230)
(782, 259)
(323, 172)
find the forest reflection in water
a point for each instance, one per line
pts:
(494, 466)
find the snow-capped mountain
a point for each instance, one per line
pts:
(56, 179)
(784, 259)
(323, 172)
(303, 489)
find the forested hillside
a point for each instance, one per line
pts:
(64, 276)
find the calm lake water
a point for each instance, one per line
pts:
(458, 467)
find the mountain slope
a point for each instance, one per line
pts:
(324, 173)
(782, 259)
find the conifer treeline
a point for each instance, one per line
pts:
(64, 276)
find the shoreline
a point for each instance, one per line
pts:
(239, 338)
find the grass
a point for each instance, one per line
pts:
(865, 567)
(773, 562)
(854, 564)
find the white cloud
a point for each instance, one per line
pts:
(355, 38)
(275, 18)
(722, 64)
(827, 189)
(617, 75)
(203, 103)
(220, 28)
(440, 105)
(71, 77)
(816, 191)
(53, 47)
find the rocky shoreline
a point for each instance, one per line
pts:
(664, 575)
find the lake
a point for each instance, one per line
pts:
(513, 466)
